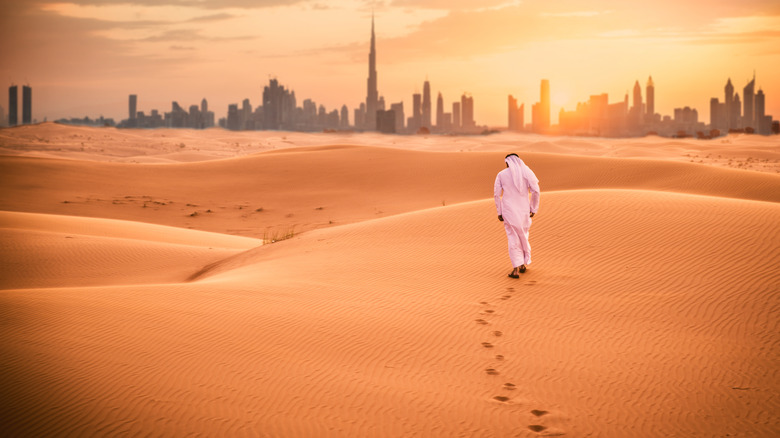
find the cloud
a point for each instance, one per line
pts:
(200, 4)
(211, 18)
(455, 5)
(189, 35)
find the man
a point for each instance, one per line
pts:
(515, 210)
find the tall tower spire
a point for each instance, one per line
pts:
(372, 95)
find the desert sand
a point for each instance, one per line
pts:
(215, 283)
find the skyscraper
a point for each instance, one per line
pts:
(540, 111)
(416, 112)
(440, 112)
(26, 105)
(729, 104)
(398, 109)
(278, 106)
(650, 112)
(426, 105)
(736, 111)
(233, 117)
(467, 111)
(13, 117)
(344, 117)
(373, 95)
(132, 106)
(748, 120)
(716, 118)
(456, 115)
(637, 108)
(762, 127)
(515, 115)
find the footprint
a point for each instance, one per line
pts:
(501, 398)
(530, 283)
(487, 345)
(492, 371)
(510, 289)
(511, 387)
(536, 428)
(506, 297)
(497, 333)
(483, 302)
(481, 321)
(489, 311)
(538, 413)
(499, 356)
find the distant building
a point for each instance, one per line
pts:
(467, 112)
(650, 109)
(728, 118)
(385, 121)
(278, 107)
(416, 112)
(748, 115)
(344, 117)
(206, 116)
(718, 114)
(398, 114)
(426, 105)
(440, 112)
(13, 105)
(26, 105)
(636, 114)
(195, 118)
(360, 116)
(233, 117)
(763, 122)
(540, 111)
(596, 117)
(456, 116)
(372, 93)
(686, 120)
(132, 108)
(177, 118)
(516, 115)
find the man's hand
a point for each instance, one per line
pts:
(532, 214)
(501, 218)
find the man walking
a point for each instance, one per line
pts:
(515, 209)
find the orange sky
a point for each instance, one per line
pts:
(84, 57)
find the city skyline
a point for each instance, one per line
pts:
(85, 58)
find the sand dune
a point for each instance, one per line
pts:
(307, 188)
(650, 309)
(59, 251)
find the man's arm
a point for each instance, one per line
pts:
(534, 188)
(497, 190)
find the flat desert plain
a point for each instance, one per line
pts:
(217, 283)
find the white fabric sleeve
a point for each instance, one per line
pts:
(497, 189)
(533, 186)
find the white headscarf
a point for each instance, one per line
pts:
(520, 172)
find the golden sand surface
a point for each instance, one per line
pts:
(216, 283)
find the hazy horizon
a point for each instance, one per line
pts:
(84, 57)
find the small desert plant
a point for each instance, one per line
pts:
(275, 236)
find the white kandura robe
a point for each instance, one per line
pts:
(515, 207)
